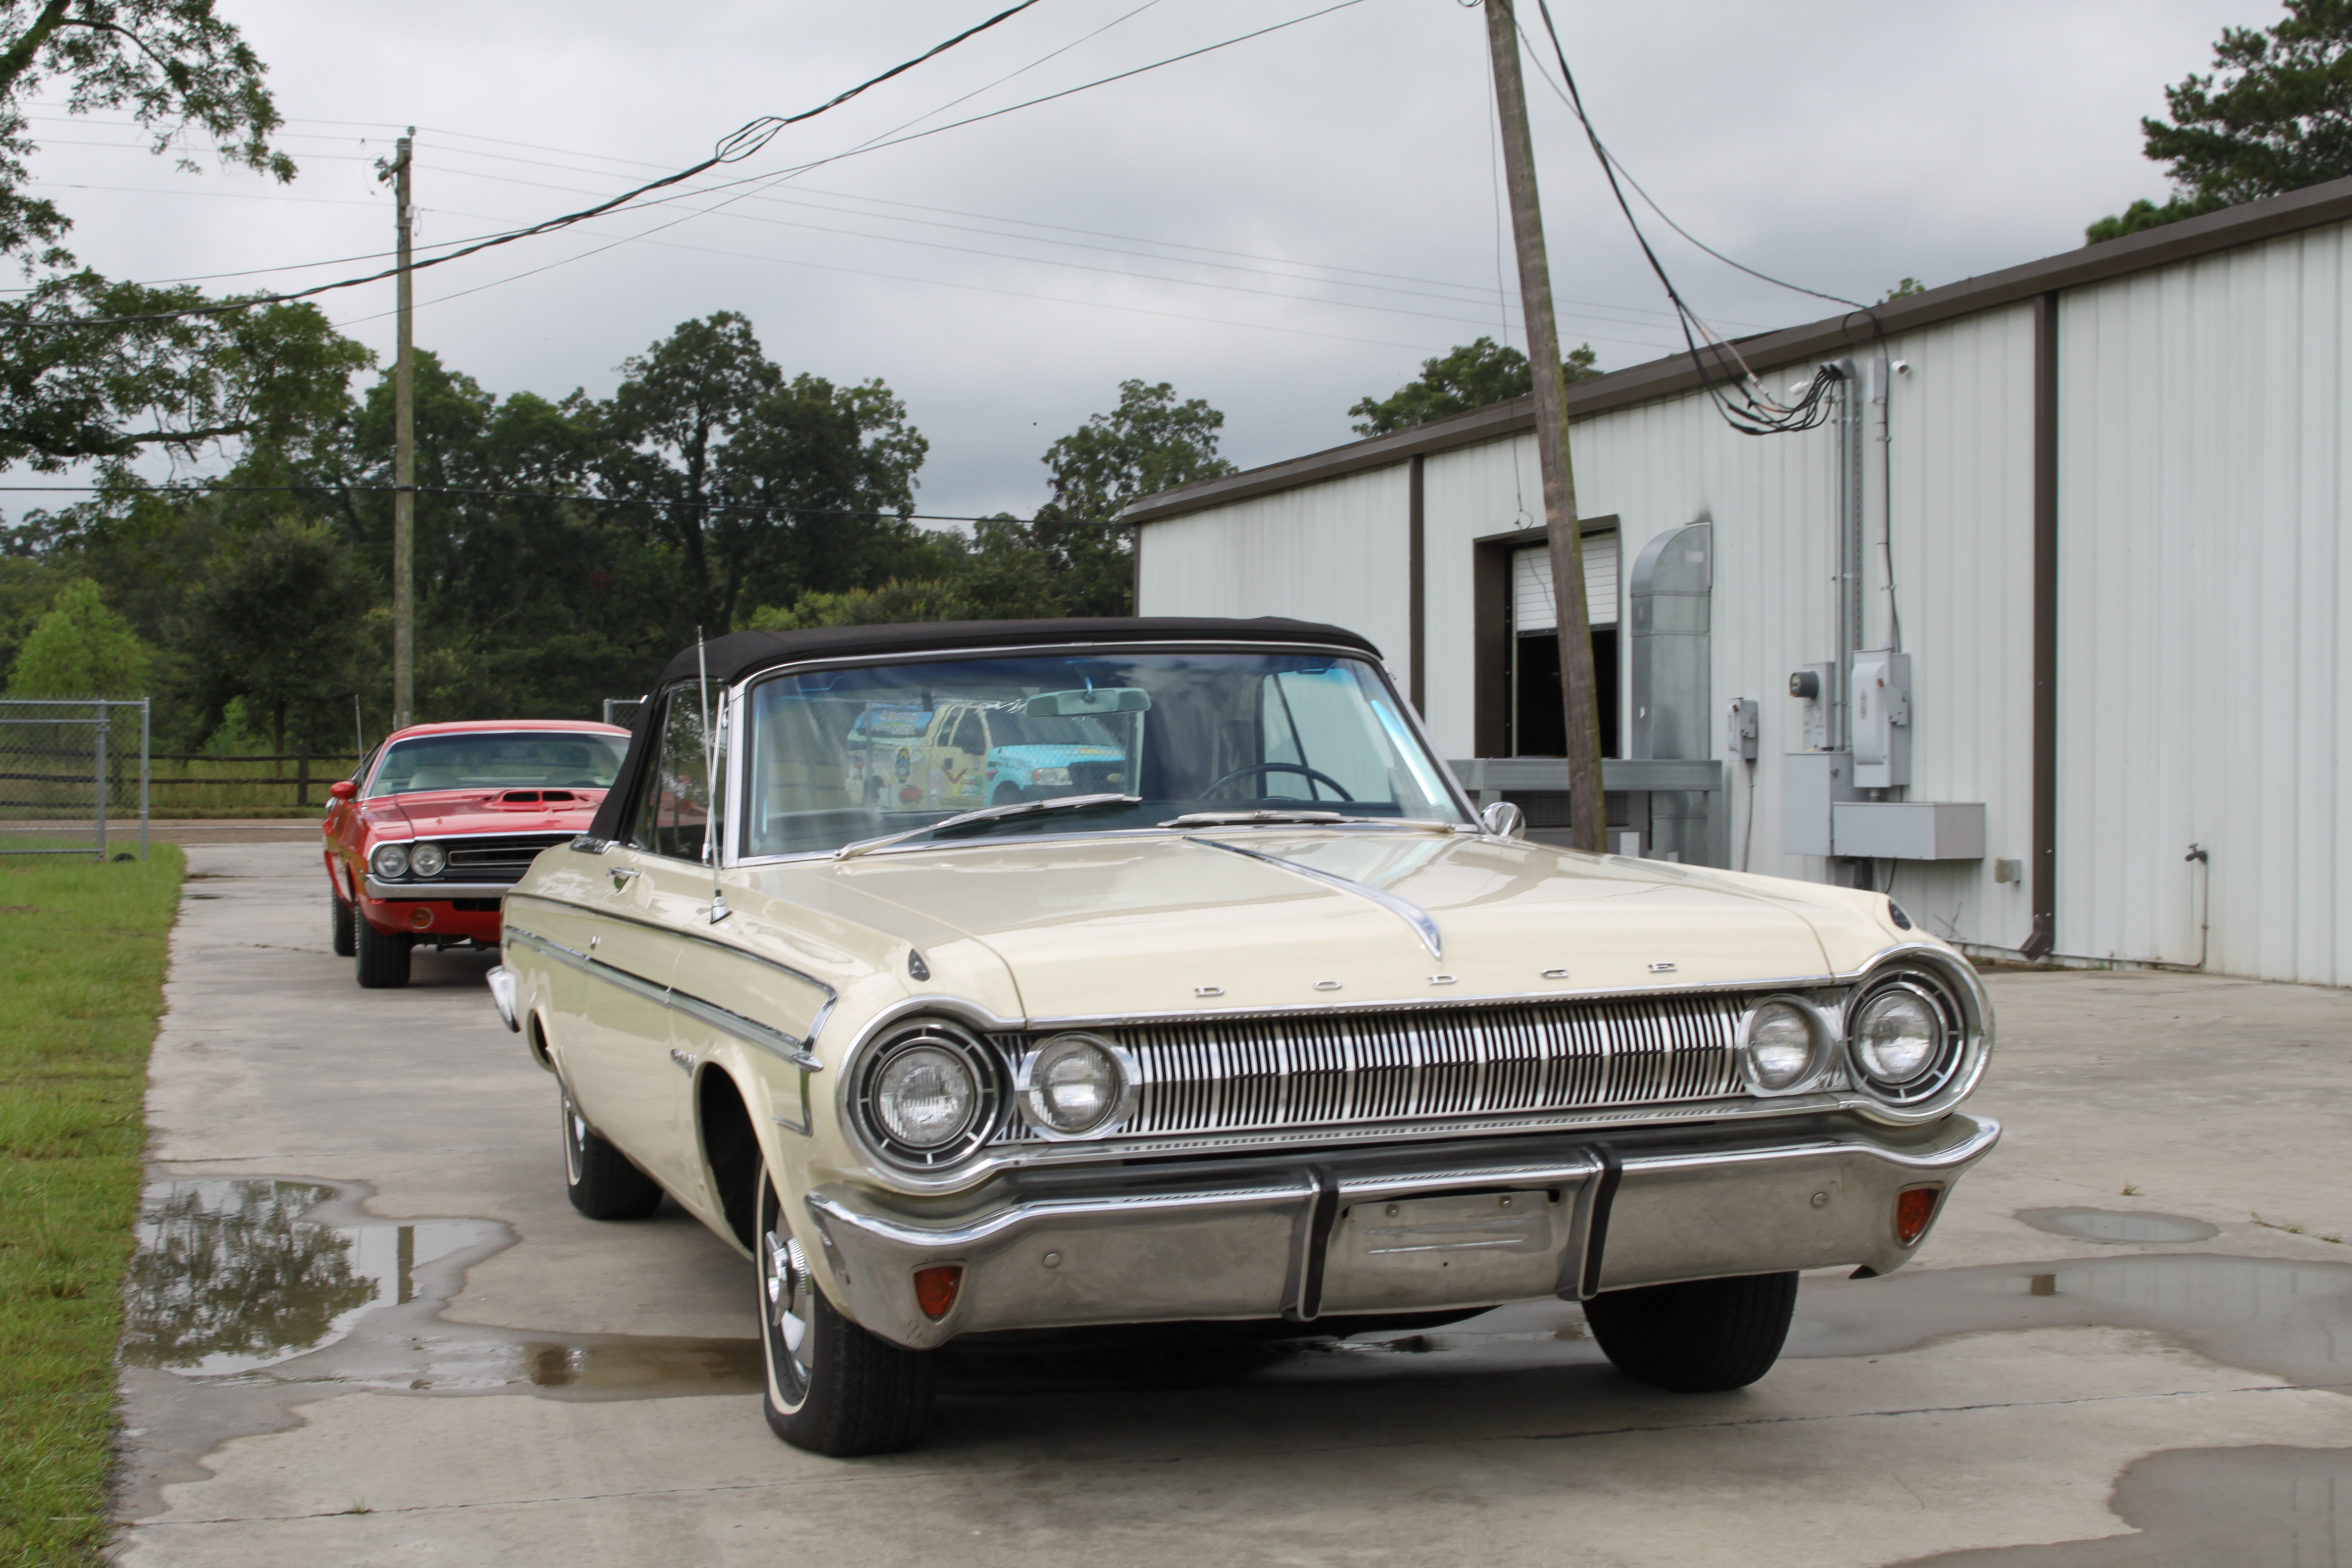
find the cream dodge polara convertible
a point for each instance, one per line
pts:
(1279, 1034)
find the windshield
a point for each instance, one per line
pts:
(514, 760)
(840, 755)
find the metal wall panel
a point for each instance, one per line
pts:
(2204, 590)
(1336, 552)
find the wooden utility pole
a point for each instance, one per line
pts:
(404, 469)
(1579, 691)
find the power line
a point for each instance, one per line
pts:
(770, 181)
(1742, 399)
(744, 143)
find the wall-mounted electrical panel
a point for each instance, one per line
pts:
(1813, 783)
(1881, 721)
(1741, 719)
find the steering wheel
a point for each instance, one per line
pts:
(1255, 769)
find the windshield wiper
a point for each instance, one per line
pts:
(990, 814)
(1303, 819)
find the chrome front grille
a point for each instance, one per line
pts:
(1246, 1074)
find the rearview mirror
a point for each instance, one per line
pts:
(1086, 704)
(342, 789)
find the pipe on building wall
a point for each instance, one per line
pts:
(1416, 589)
(2042, 874)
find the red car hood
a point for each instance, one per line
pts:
(433, 814)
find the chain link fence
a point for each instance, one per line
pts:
(74, 776)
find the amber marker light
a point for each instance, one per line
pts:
(936, 1288)
(1913, 1210)
(420, 918)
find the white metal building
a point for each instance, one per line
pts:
(2113, 490)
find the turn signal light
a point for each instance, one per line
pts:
(936, 1288)
(420, 918)
(1913, 1210)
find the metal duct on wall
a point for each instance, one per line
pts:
(1669, 602)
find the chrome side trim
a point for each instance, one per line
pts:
(749, 1031)
(600, 912)
(430, 891)
(1413, 914)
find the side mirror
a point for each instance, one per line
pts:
(1504, 819)
(342, 789)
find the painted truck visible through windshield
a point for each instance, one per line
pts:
(966, 755)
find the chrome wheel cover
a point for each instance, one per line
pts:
(787, 1308)
(575, 1138)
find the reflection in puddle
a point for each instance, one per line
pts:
(2110, 1224)
(235, 1277)
(229, 1277)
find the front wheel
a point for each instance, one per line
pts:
(340, 925)
(1704, 1336)
(379, 958)
(833, 1388)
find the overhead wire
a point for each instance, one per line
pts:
(744, 143)
(770, 181)
(1737, 394)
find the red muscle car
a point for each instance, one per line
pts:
(425, 838)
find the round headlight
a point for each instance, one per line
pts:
(1780, 1044)
(925, 1097)
(1075, 1084)
(389, 861)
(1898, 1036)
(428, 859)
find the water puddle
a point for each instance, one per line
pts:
(231, 1278)
(263, 1281)
(2114, 1225)
(2200, 1507)
(2292, 1319)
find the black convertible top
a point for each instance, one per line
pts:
(738, 654)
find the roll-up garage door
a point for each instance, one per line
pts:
(1531, 607)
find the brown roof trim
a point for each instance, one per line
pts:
(2231, 227)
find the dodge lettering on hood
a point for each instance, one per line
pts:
(1262, 1025)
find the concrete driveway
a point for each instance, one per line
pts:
(2102, 1346)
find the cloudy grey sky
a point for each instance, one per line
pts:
(1280, 226)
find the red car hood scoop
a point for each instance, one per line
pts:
(534, 798)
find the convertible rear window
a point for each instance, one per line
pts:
(527, 760)
(838, 755)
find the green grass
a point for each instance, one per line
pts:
(81, 985)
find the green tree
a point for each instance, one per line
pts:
(2275, 115)
(1073, 558)
(274, 376)
(278, 623)
(175, 64)
(81, 649)
(767, 487)
(893, 603)
(1473, 376)
(71, 392)
(1903, 289)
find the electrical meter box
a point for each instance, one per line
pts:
(1882, 720)
(1814, 686)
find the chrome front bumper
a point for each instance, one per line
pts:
(1393, 1230)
